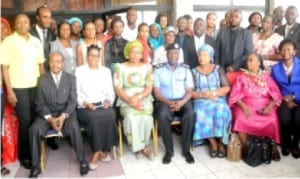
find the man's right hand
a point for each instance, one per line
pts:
(12, 98)
(52, 122)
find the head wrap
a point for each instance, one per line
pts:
(209, 49)
(5, 21)
(76, 19)
(156, 42)
(130, 45)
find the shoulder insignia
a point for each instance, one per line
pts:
(184, 65)
(160, 65)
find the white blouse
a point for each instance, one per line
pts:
(94, 85)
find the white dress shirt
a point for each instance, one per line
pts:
(94, 85)
(160, 56)
(199, 42)
(130, 34)
(288, 29)
(41, 34)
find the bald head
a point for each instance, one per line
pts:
(235, 18)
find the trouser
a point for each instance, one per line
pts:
(290, 126)
(164, 116)
(70, 129)
(25, 109)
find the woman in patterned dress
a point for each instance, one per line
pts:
(266, 42)
(133, 85)
(213, 115)
(254, 99)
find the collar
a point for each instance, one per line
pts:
(169, 67)
(38, 28)
(54, 75)
(290, 25)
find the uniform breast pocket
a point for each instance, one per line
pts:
(180, 76)
(165, 80)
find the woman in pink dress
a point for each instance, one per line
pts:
(254, 99)
(266, 42)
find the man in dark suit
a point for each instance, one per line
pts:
(291, 30)
(234, 44)
(182, 25)
(42, 30)
(193, 43)
(56, 102)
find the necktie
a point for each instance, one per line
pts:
(56, 81)
(44, 35)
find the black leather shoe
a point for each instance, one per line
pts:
(188, 157)
(34, 173)
(26, 164)
(296, 153)
(51, 143)
(84, 168)
(167, 157)
(285, 152)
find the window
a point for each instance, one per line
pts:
(286, 3)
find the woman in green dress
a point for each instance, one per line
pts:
(133, 85)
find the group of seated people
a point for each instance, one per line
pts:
(92, 83)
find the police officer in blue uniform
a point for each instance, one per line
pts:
(173, 86)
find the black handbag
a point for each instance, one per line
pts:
(259, 151)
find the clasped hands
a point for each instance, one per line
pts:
(136, 102)
(175, 105)
(208, 95)
(264, 111)
(93, 107)
(57, 122)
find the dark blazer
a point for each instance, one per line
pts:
(293, 35)
(55, 101)
(50, 37)
(242, 48)
(189, 50)
(288, 87)
(70, 63)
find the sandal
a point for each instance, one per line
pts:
(4, 171)
(213, 153)
(105, 159)
(147, 153)
(221, 152)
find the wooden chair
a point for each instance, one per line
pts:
(52, 133)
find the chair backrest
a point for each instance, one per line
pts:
(232, 76)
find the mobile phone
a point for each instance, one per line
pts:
(260, 111)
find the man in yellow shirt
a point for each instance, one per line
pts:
(22, 61)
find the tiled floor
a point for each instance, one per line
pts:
(204, 167)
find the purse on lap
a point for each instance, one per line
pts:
(234, 148)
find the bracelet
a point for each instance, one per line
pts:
(139, 96)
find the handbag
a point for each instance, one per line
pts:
(234, 148)
(259, 151)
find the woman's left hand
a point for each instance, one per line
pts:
(106, 104)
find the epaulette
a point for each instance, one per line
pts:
(184, 65)
(160, 65)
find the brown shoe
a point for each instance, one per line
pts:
(275, 153)
(147, 153)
